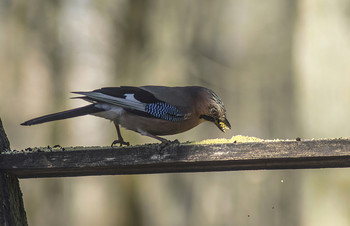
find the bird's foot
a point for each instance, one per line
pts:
(166, 143)
(121, 142)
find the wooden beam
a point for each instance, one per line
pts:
(85, 161)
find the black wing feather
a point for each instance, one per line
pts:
(139, 94)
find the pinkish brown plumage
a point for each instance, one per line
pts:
(149, 110)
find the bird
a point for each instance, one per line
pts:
(152, 111)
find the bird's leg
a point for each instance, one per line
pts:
(120, 138)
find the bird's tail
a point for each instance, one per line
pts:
(89, 109)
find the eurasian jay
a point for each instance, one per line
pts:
(149, 110)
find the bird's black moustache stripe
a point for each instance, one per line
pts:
(208, 118)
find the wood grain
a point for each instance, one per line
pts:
(85, 161)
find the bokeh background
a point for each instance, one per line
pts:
(282, 68)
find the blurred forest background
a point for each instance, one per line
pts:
(281, 67)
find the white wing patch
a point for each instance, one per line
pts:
(128, 102)
(131, 97)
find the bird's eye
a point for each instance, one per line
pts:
(213, 111)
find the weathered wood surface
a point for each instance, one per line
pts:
(177, 158)
(11, 204)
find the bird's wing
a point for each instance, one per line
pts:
(135, 100)
(127, 102)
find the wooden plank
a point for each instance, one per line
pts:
(11, 203)
(84, 161)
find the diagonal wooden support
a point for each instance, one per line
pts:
(11, 203)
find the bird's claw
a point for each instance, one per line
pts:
(167, 143)
(121, 142)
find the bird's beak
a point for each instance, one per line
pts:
(223, 125)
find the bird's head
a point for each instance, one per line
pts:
(213, 110)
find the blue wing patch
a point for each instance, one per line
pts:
(164, 111)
